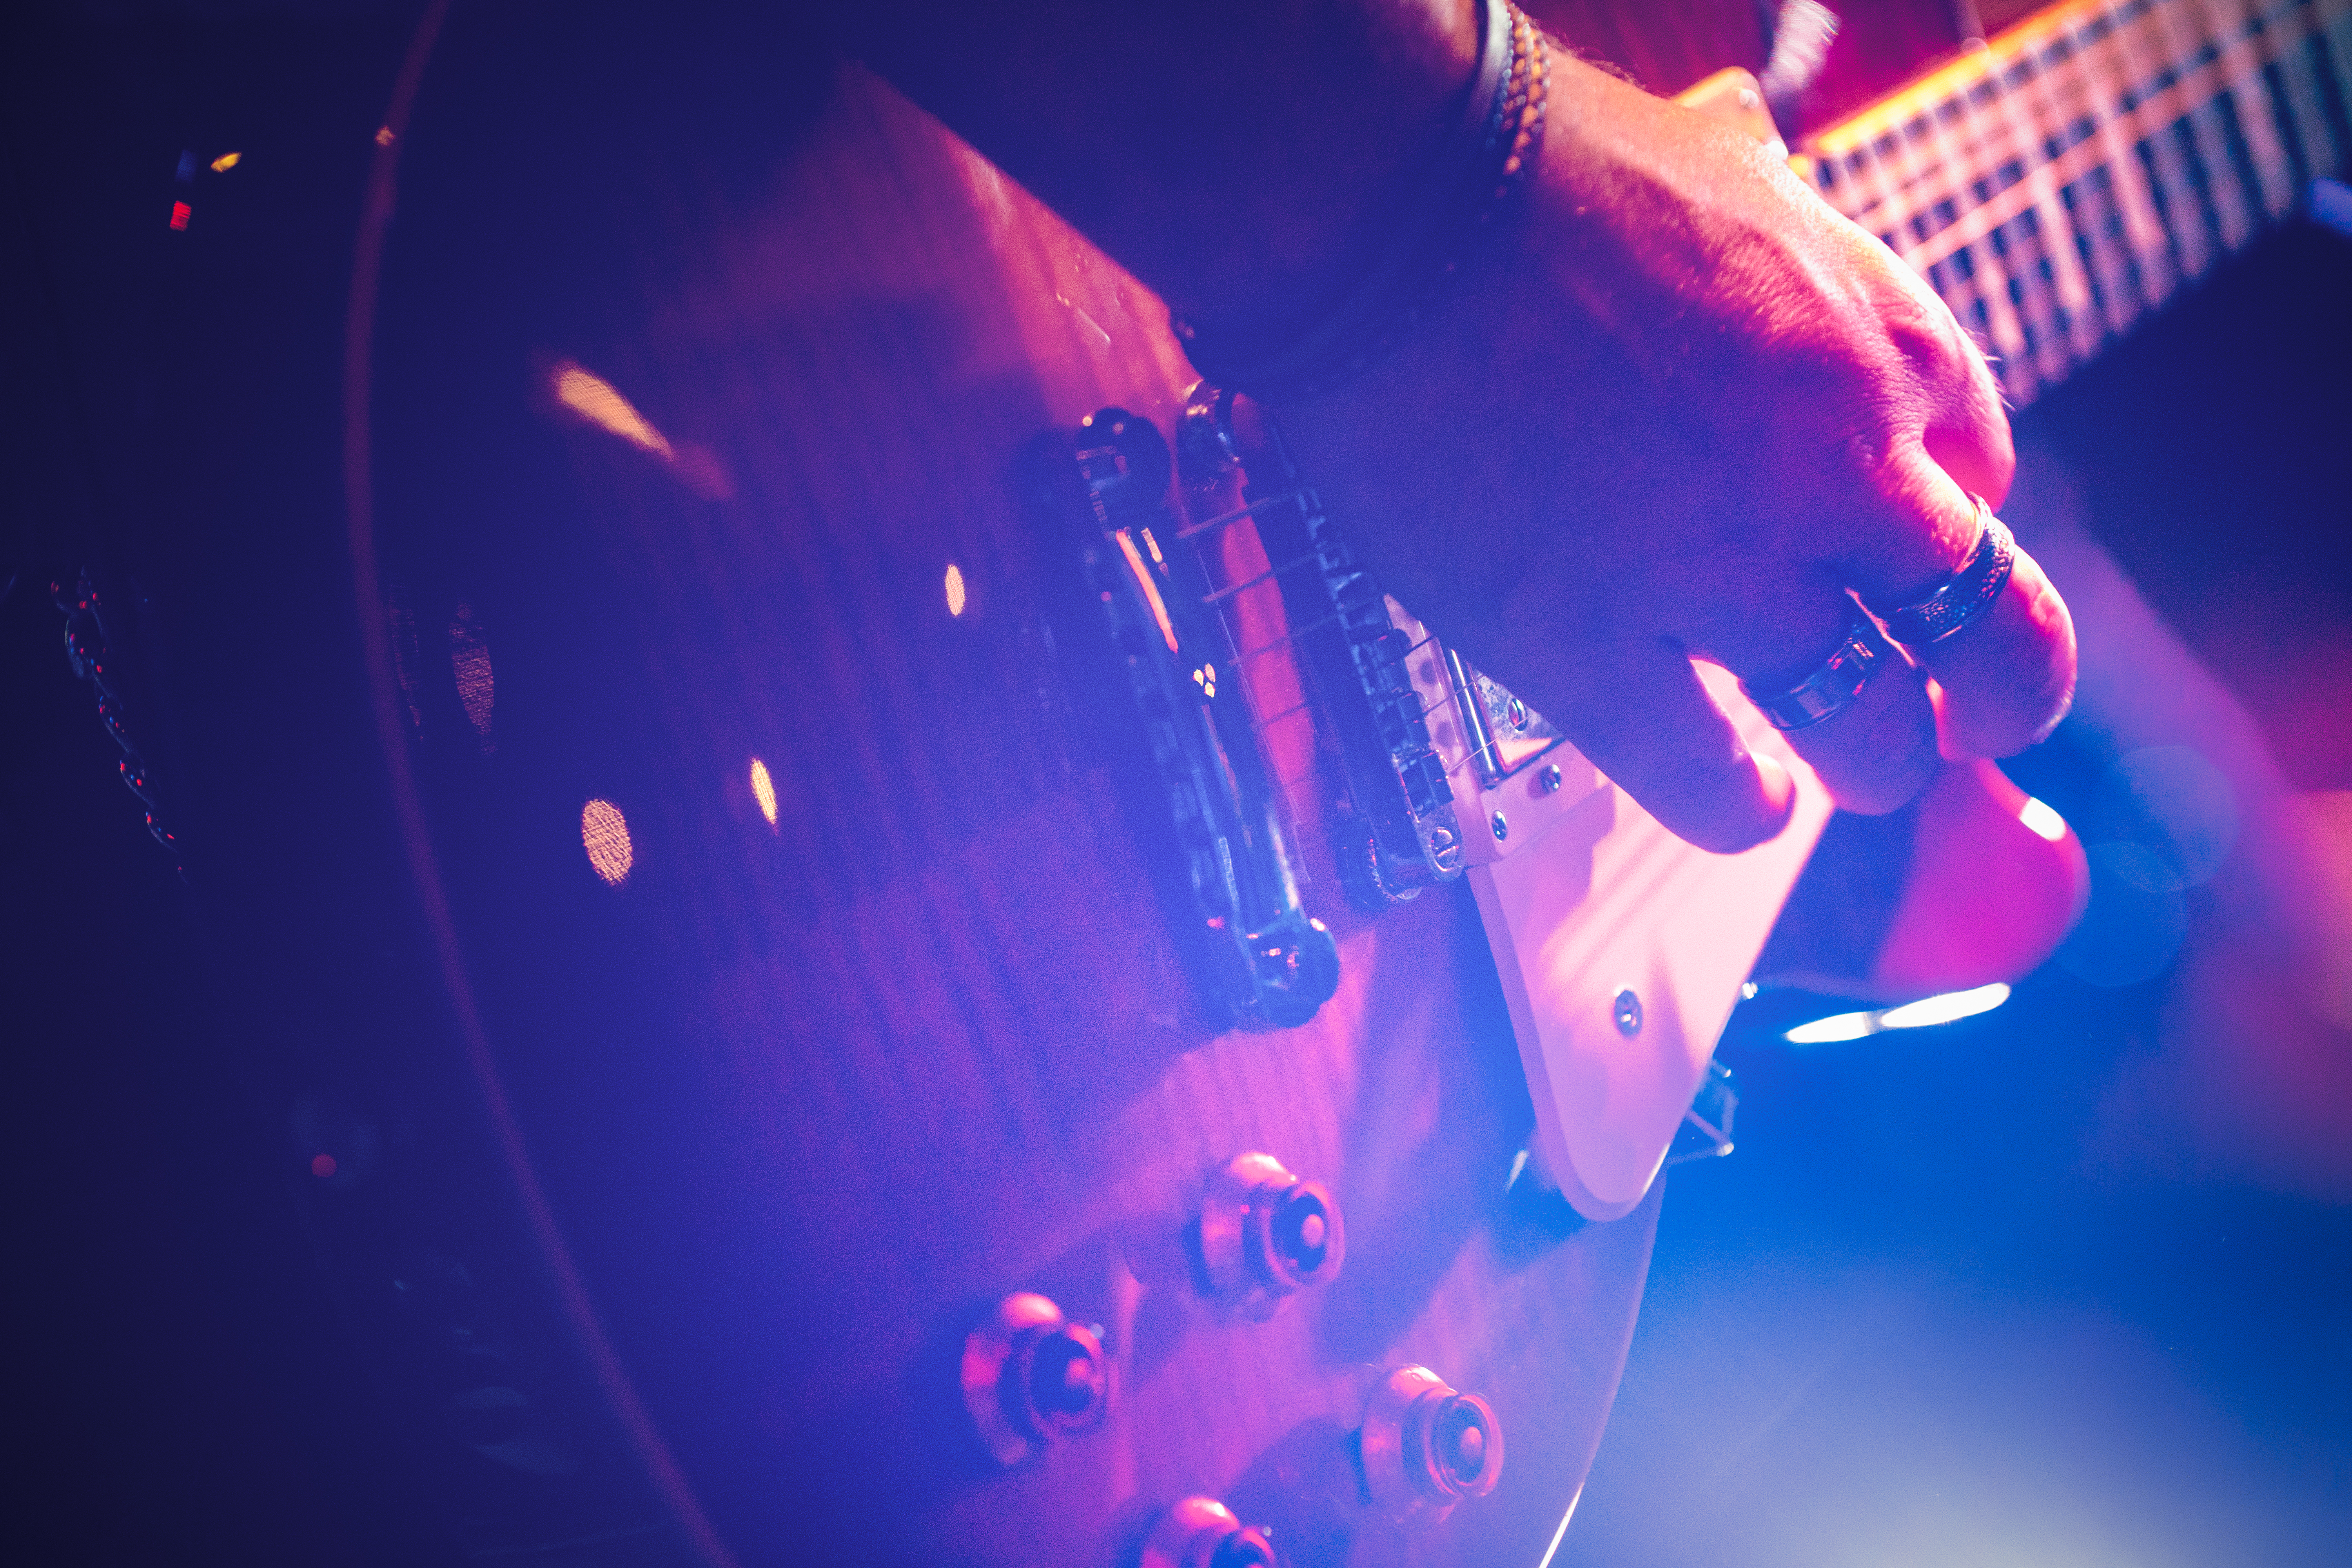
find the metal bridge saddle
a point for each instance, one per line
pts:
(1270, 963)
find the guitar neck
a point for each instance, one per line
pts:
(2060, 180)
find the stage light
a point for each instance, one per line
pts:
(1919, 1015)
(1942, 1009)
(1838, 1027)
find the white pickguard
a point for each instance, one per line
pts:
(1584, 897)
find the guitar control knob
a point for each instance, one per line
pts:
(1426, 1447)
(1202, 1533)
(1266, 1235)
(1032, 1377)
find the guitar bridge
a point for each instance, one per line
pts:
(1268, 963)
(1443, 767)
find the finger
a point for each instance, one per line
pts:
(1878, 751)
(1970, 438)
(2007, 677)
(2009, 674)
(1658, 736)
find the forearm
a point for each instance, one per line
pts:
(1235, 156)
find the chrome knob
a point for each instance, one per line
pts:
(1202, 1533)
(1427, 1446)
(1266, 1235)
(1032, 1377)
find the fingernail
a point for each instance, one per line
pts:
(1780, 790)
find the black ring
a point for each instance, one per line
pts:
(1966, 593)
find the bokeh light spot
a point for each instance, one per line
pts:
(600, 403)
(2042, 819)
(955, 589)
(605, 833)
(322, 1166)
(763, 790)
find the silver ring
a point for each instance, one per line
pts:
(1966, 593)
(1831, 689)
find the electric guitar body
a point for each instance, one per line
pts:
(861, 956)
(701, 469)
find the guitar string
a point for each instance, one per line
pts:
(2338, 47)
(1965, 266)
(2080, 179)
(1268, 576)
(2023, 367)
(2331, 53)
(2303, 73)
(2273, 175)
(2159, 156)
(2032, 234)
(2238, 49)
(2104, 203)
(1263, 722)
(1992, 151)
(1997, 306)
(1259, 723)
(2144, 241)
(1248, 508)
(2297, 73)
(2225, 218)
(2096, 205)
(2081, 291)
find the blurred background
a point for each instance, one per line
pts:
(2063, 1285)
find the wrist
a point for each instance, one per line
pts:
(1464, 184)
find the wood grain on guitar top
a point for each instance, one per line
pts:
(811, 1096)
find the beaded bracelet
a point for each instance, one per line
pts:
(1469, 184)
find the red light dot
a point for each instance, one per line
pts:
(322, 1166)
(179, 214)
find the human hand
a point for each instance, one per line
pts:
(1680, 409)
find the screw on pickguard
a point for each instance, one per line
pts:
(1269, 963)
